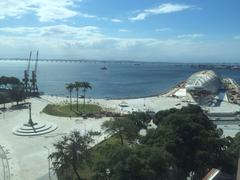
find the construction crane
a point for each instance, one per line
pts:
(26, 75)
(34, 87)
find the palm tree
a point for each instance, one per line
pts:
(85, 86)
(71, 151)
(70, 88)
(77, 86)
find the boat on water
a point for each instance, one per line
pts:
(104, 68)
(136, 64)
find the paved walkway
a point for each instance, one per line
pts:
(27, 156)
(4, 166)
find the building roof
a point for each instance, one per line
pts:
(200, 78)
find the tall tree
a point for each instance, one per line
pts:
(141, 119)
(192, 139)
(136, 162)
(85, 86)
(231, 154)
(4, 98)
(17, 93)
(77, 86)
(70, 88)
(13, 81)
(124, 127)
(4, 81)
(72, 151)
(9, 81)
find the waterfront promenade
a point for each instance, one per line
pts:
(27, 157)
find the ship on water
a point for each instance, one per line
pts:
(104, 68)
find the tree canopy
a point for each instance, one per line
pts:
(4, 80)
(71, 151)
(17, 93)
(124, 127)
(192, 139)
(140, 119)
(185, 143)
(12, 89)
(192, 143)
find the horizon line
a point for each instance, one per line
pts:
(115, 61)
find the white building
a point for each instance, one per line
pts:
(201, 81)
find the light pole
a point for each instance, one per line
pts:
(108, 174)
(49, 168)
(78, 152)
(30, 122)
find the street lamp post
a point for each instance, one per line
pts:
(108, 174)
(78, 152)
(30, 122)
(49, 168)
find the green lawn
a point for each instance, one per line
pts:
(65, 111)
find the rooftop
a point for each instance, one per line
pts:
(199, 78)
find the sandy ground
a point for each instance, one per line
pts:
(27, 155)
(155, 103)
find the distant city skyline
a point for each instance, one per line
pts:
(138, 30)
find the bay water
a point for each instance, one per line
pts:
(119, 80)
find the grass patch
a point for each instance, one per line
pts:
(65, 111)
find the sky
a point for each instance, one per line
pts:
(139, 30)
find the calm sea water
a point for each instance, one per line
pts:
(120, 80)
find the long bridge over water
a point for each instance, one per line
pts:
(72, 60)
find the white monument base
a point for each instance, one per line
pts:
(35, 129)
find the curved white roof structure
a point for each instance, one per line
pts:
(203, 81)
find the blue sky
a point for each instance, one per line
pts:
(145, 30)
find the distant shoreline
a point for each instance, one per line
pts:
(108, 98)
(124, 98)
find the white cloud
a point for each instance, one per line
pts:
(123, 30)
(54, 32)
(12, 8)
(19, 30)
(191, 36)
(162, 29)
(86, 15)
(237, 37)
(46, 10)
(161, 9)
(139, 17)
(54, 13)
(116, 20)
(88, 42)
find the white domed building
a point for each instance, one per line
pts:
(204, 81)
